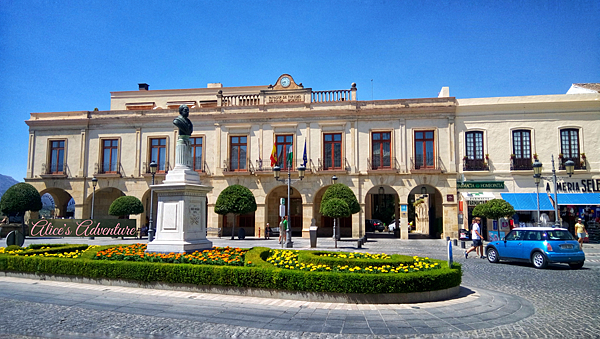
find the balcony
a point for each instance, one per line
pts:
(113, 171)
(53, 170)
(431, 166)
(475, 165)
(521, 164)
(322, 167)
(389, 164)
(580, 162)
(165, 170)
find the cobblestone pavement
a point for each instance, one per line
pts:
(503, 300)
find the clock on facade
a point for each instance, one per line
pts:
(285, 81)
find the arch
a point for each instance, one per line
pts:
(272, 203)
(63, 204)
(427, 215)
(381, 202)
(102, 201)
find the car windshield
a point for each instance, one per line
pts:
(557, 235)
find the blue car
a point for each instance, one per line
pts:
(537, 245)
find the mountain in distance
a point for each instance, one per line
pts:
(5, 183)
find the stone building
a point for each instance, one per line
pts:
(413, 159)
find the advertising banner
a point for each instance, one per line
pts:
(82, 228)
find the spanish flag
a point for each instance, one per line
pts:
(274, 155)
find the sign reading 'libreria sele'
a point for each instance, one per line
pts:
(82, 228)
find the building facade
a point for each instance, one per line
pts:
(415, 160)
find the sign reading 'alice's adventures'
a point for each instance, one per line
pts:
(82, 228)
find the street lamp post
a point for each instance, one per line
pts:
(151, 228)
(335, 232)
(537, 177)
(94, 183)
(276, 172)
(537, 170)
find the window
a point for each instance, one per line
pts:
(110, 156)
(57, 156)
(424, 153)
(158, 153)
(284, 144)
(533, 236)
(332, 151)
(569, 147)
(380, 152)
(516, 235)
(238, 149)
(474, 152)
(196, 143)
(522, 150)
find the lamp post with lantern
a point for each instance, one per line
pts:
(537, 176)
(151, 231)
(288, 181)
(94, 183)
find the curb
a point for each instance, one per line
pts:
(349, 298)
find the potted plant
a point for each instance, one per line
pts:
(560, 155)
(535, 156)
(513, 156)
(583, 156)
(487, 157)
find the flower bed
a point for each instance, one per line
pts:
(288, 259)
(217, 256)
(347, 273)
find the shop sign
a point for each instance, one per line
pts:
(498, 185)
(584, 185)
(82, 228)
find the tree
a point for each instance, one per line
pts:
(494, 209)
(335, 208)
(125, 205)
(20, 198)
(343, 193)
(235, 199)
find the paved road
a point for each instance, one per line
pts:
(497, 300)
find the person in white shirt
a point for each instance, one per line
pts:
(476, 237)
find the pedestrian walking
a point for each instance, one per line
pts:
(267, 231)
(581, 232)
(282, 230)
(476, 237)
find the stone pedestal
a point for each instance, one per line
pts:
(181, 216)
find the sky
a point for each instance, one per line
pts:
(69, 55)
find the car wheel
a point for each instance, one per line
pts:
(539, 260)
(576, 265)
(492, 255)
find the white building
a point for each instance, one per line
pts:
(391, 153)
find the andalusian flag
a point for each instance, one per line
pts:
(274, 155)
(290, 156)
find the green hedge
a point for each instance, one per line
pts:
(260, 275)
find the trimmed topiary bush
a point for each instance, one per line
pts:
(335, 208)
(126, 205)
(343, 192)
(235, 199)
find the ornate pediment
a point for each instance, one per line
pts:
(286, 82)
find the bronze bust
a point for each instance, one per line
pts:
(182, 122)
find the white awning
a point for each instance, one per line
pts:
(478, 196)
